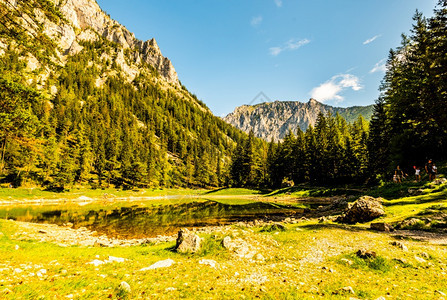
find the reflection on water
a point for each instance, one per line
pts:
(137, 221)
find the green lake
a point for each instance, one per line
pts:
(143, 219)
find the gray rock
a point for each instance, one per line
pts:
(419, 259)
(347, 290)
(187, 242)
(240, 247)
(439, 181)
(125, 287)
(411, 223)
(382, 227)
(365, 254)
(415, 192)
(365, 209)
(159, 264)
(399, 245)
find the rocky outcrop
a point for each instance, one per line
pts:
(86, 21)
(274, 120)
(365, 209)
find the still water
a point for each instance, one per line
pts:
(146, 220)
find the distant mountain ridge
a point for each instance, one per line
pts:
(273, 120)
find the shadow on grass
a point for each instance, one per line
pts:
(418, 199)
(313, 191)
(334, 226)
(255, 191)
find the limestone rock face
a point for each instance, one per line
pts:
(274, 120)
(87, 21)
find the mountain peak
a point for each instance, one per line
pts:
(312, 101)
(274, 121)
(85, 18)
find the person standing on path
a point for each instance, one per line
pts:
(429, 169)
(417, 173)
(398, 174)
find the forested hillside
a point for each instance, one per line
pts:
(82, 101)
(93, 114)
(332, 152)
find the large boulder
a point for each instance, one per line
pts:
(187, 242)
(365, 209)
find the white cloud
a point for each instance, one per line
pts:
(331, 89)
(371, 39)
(379, 67)
(255, 21)
(290, 45)
(275, 51)
(278, 3)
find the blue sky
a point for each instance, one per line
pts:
(228, 51)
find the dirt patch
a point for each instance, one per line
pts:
(66, 236)
(424, 236)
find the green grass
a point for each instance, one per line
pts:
(301, 261)
(8, 194)
(235, 192)
(311, 191)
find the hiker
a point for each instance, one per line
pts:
(435, 171)
(417, 173)
(429, 169)
(398, 175)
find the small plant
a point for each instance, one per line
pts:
(211, 245)
(273, 227)
(377, 263)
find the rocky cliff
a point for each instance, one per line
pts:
(274, 120)
(84, 20)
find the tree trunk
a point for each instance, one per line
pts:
(2, 162)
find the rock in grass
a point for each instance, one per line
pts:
(344, 290)
(187, 242)
(240, 247)
(347, 261)
(381, 227)
(419, 259)
(399, 245)
(208, 262)
(125, 287)
(365, 209)
(159, 264)
(365, 254)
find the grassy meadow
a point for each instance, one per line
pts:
(308, 259)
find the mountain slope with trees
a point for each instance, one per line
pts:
(83, 101)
